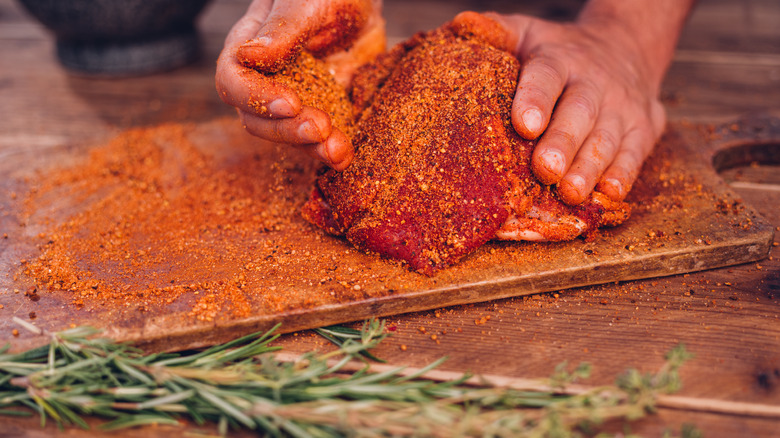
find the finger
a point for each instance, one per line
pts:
(371, 42)
(597, 152)
(244, 88)
(541, 83)
(251, 92)
(249, 24)
(657, 119)
(487, 26)
(285, 31)
(343, 22)
(621, 174)
(516, 27)
(336, 151)
(573, 120)
(310, 126)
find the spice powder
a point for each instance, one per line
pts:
(197, 219)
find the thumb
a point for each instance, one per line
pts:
(515, 27)
(285, 31)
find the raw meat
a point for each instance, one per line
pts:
(439, 169)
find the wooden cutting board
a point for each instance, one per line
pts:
(685, 219)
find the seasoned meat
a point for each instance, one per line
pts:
(439, 170)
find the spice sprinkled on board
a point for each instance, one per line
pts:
(165, 218)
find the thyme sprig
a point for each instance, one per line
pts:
(244, 384)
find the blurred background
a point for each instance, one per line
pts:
(728, 64)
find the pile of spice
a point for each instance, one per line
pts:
(163, 223)
(154, 219)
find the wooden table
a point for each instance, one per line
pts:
(728, 66)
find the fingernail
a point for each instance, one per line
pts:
(532, 120)
(572, 189)
(308, 132)
(553, 161)
(336, 153)
(578, 183)
(262, 41)
(280, 108)
(616, 185)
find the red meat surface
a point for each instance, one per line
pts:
(439, 170)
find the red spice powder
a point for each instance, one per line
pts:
(155, 219)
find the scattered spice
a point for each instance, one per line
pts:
(166, 219)
(482, 320)
(32, 294)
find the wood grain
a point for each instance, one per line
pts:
(683, 221)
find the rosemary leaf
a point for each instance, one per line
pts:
(226, 407)
(132, 373)
(139, 420)
(339, 335)
(422, 371)
(15, 413)
(67, 414)
(242, 384)
(167, 399)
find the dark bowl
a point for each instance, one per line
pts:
(121, 37)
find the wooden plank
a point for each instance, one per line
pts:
(727, 26)
(677, 226)
(665, 421)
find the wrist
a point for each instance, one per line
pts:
(645, 31)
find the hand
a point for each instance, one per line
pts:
(345, 33)
(591, 93)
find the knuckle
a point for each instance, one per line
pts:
(278, 130)
(585, 169)
(620, 171)
(545, 69)
(632, 159)
(657, 117)
(561, 137)
(644, 139)
(585, 103)
(533, 94)
(606, 142)
(259, 132)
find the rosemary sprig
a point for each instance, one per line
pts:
(338, 334)
(243, 384)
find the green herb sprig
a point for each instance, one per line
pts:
(244, 384)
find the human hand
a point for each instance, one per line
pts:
(345, 33)
(590, 92)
